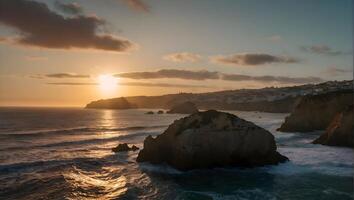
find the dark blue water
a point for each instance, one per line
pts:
(62, 153)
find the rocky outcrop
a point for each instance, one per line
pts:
(317, 111)
(124, 147)
(184, 108)
(211, 139)
(160, 112)
(340, 132)
(116, 103)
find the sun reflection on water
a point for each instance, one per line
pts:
(95, 185)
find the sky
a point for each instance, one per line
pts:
(70, 52)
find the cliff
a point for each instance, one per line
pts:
(315, 112)
(340, 132)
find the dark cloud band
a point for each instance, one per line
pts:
(252, 59)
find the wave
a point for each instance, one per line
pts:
(95, 184)
(237, 194)
(8, 168)
(83, 142)
(80, 129)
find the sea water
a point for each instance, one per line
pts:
(65, 153)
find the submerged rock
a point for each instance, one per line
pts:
(184, 108)
(149, 113)
(211, 139)
(124, 147)
(315, 112)
(340, 132)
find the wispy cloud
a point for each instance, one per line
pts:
(137, 5)
(274, 38)
(336, 71)
(171, 73)
(278, 79)
(183, 57)
(60, 75)
(36, 58)
(69, 8)
(41, 27)
(3, 39)
(208, 75)
(322, 49)
(252, 59)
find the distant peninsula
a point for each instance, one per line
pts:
(270, 99)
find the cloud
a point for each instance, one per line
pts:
(171, 73)
(67, 75)
(137, 5)
(41, 27)
(140, 84)
(335, 71)
(36, 58)
(3, 39)
(59, 75)
(69, 8)
(275, 38)
(183, 57)
(278, 79)
(322, 49)
(207, 75)
(252, 59)
(71, 83)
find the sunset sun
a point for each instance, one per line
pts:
(107, 83)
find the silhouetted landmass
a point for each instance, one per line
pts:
(184, 108)
(116, 103)
(211, 139)
(271, 99)
(340, 132)
(315, 112)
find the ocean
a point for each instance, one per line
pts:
(65, 153)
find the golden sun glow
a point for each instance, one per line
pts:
(107, 83)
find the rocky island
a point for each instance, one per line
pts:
(211, 139)
(116, 103)
(184, 108)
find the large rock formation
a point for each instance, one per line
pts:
(340, 132)
(184, 108)
(211, 139)
(116, 103)
(317, 111)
